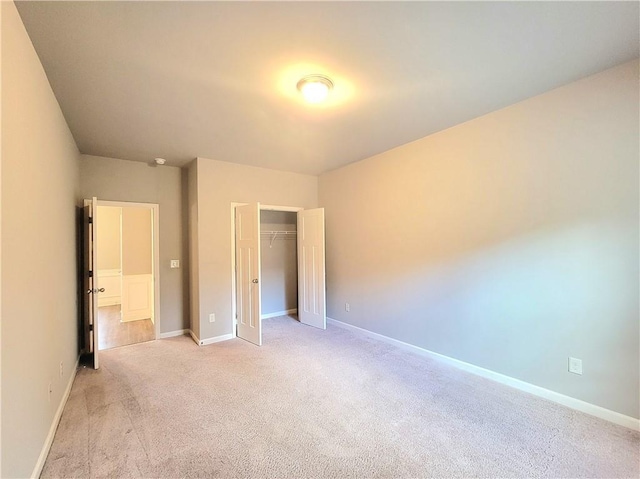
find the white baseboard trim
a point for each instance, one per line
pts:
(217, 339)
(173, 334)
(279, 313)
(46, 447)
(204, 342)
(572, 403)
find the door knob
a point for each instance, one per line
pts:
(101, 290)
(255, 280)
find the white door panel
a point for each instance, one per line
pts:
(137, 297)
(111, 281)
(311, 268)
(248, 273)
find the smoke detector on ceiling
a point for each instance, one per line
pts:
(160, 161)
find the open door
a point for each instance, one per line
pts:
(311, 271)
(91, 287)
(248, 273)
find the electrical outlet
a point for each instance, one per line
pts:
(175, 263)
(575, 365)
(347, 307)
(61, 368)
(212, 318)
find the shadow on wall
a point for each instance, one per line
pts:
(534, 299)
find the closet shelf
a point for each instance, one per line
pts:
(274, 235)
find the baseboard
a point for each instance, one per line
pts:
(279, 313)
(570, 402)
(54, 425)
(217, 339)
(173, 334)
(204, 342)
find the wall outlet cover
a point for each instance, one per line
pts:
(175, 263)
(575, 365)
(212, 318)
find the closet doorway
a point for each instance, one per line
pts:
(278, 263)
(278, 266)
(121, 274)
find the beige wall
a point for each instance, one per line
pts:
(109, 238)
(218, 185)
(509, 242)
(120, 180)
(39, 195)
(194, 260)
(137, 241)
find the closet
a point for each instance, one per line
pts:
(278, 263)
(274, 256)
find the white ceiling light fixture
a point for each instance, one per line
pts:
(315, 88)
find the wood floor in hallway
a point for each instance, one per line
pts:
(113, 333)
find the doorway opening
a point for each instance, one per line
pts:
(278, 263)
(121, 275)
(125, 271)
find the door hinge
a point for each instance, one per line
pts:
(91, 327)
(90, 274)
(90, 219)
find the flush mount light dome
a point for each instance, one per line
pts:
(315, 88)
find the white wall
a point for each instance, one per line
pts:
(39, 198)
(218, 185)
(509, 242)
(120, 180)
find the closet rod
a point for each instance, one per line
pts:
(274, 234)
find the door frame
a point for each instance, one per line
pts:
(291, 209)
(155, 248)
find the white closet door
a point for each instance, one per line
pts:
(248, 272)
(311, 268)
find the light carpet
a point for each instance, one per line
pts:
(317, 404)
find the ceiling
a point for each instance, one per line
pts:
(179, 80)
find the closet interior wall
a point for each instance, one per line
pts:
(278, 262)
